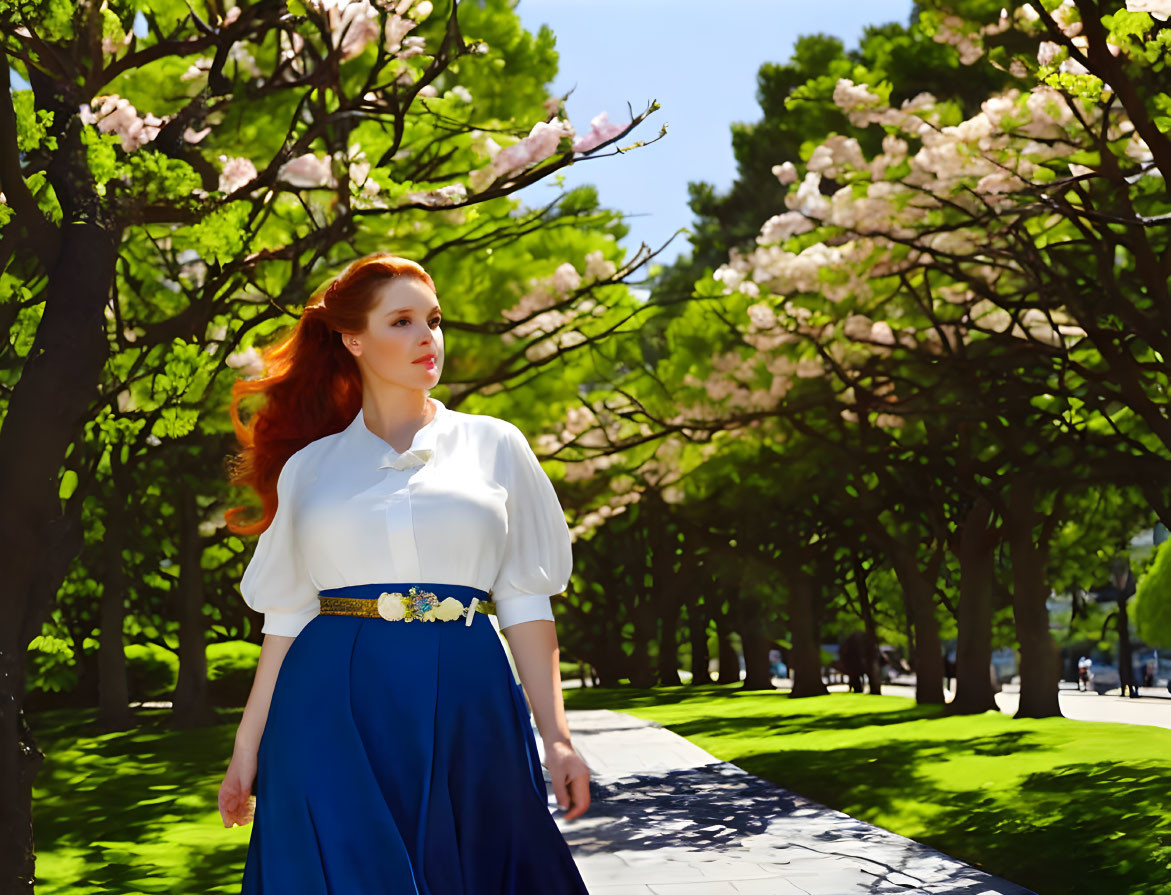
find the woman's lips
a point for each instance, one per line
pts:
(428, 361)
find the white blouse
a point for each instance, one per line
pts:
(468, 503)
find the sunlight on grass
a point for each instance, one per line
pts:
(133, 811)
(1056, 805)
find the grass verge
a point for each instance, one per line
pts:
(1056, 805)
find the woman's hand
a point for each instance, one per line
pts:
(236, 801)
(571, 778)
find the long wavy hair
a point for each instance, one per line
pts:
(312, 386)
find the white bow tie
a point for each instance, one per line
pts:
(408, 459)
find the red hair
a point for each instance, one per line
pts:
(312, 385)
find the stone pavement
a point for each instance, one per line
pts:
(667, 818)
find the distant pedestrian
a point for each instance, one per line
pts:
(1083, 673)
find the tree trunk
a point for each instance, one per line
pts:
(79, 623)
(873, 669)
(639, 669)
(191, 707)
(1040, 664)
(697, 624)
(919, 587)
(668, 670)
(975, 552)
(697, 620)
(666, 583)
(113, 690)
(45, 411)
(729, 659)
(1125, 658)
(609, 660)
(757, 675)
(805, 667)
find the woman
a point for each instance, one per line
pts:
(385, 732)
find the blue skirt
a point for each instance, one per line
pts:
(398, 759)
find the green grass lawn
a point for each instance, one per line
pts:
(135, 811)
(1058, 806)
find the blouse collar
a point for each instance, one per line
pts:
(422, 447)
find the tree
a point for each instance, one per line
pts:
(280, 140)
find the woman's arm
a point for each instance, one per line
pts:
(236, 790)
(272, 654)
(535, 650)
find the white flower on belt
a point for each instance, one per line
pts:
(390, 606)
(420, 605)
(449, 609)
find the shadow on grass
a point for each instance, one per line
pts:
(1004, 800)
(133, 811)
(1078, 828)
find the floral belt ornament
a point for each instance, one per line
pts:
(415, 604)
(420, 604)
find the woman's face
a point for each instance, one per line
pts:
(402, 327)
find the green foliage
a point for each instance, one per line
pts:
(151, 670)
(1152, 606)
(219, 236)
(231, 669)
(201, 285)
(51, 667)
(32, 125)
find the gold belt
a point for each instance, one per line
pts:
(414, 605)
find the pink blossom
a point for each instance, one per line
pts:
(882, 333)
(248, 362)
(598, 267)
(355, 26)
(413, 46)
(396, 29)
(1160, 9)
(111, 45)
(307, 170)
(835, 156)
(235, 172)
(115, 114)
(780, 227)
(538, 145)
(786, 173)
(566, 278)
(446, 195)
(762, 316)
(1047, 51)
(601, 130)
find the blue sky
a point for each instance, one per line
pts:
(699, 61)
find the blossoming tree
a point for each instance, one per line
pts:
(1023, 239)
(178, 175)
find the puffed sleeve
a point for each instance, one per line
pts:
(538, 556)
(275, 581)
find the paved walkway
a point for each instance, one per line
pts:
(667, 818)
(1153, 708)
